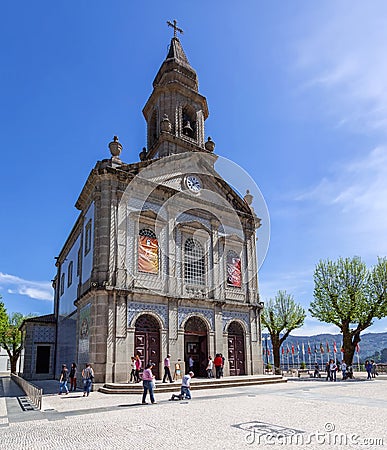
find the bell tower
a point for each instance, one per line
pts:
(175, 112)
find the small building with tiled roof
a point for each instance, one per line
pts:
(37, 360)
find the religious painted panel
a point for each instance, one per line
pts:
(148, 252)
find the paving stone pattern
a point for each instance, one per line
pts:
(233, 418)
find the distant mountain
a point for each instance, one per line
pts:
(370, 344)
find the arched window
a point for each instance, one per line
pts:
(235, 328)
(70, 274)
(194, 262)
(234, 274)
(189, 122)
(148, 251)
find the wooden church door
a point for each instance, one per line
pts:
(147, 342)
(236, 349)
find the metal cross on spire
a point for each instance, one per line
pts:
(175, 27)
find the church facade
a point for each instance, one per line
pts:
(162, 259)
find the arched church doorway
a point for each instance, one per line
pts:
(147, 341)
(195, 345)
(236, 349)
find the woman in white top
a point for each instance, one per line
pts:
(209, 368)
(133, 371)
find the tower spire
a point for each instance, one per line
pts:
(175, 112)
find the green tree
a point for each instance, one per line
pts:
(350, 296)
(10, 335)
(281, 315)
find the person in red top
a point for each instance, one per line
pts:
(218, 362)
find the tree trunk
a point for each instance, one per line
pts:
(13, 359)
(349, 346)
(276, 354)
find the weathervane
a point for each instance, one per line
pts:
(175, 27)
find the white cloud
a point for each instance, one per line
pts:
(39, 290)
(355, 194)
(342, 54)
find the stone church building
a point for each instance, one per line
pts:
(162, 258)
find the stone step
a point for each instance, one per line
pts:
(198, 384)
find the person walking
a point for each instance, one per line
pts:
(133, 370)
(344, 370)
(63, 380)
(88, 377)
(332, 370)
(327, 370)
(73, 377)
(167, 369)
(148, 384)
(191, 363)
(218, 365)
(210, 365)
(138, 368)
(177, 373)
(316, 373)
(368, 368)
(374, 369)
(222, 368)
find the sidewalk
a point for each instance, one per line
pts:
(215, 418)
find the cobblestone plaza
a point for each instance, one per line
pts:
(298, 414)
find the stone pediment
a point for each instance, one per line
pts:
(172, 172)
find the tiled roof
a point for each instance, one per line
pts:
(48, 318)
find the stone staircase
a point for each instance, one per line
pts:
(196, 384)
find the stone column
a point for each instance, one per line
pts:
(218, 316)
(215, 269)
(110, 339)
(102, 224)
(122, 357)
(226, 368)
(100, 327)
(173, 345)
(122, 238)
(256, 348)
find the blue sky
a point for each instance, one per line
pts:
(297, 93)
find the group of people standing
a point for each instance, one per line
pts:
(218, 362)
(332, 368)
(371, 369)
(135, 369)
(346, 370)
(65, 375)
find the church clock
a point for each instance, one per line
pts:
(193, 183)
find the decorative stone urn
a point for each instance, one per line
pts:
(248, 198)
(142, 154)
(210, 145)
(115, 148)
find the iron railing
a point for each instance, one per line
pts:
(33, 392)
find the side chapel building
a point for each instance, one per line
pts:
(162, 258)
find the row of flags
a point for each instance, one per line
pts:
(296, 349)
